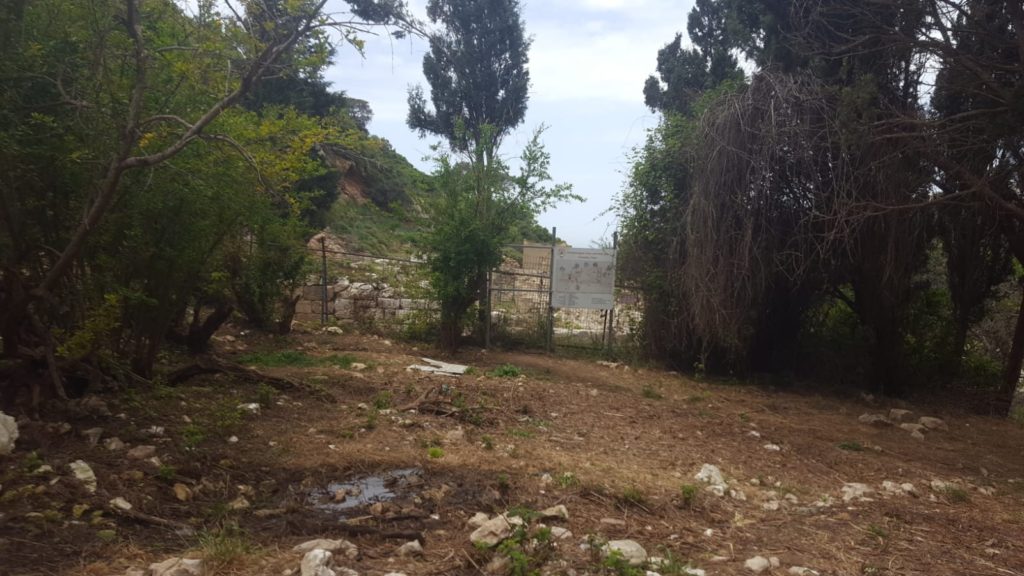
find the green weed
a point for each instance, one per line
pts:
(435, 452)
(851, 446)
(506, 371)
(633, 496)
(651, 393)
(688, 493)
(382, 401)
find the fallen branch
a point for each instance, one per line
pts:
(149, 519)
(215, 365)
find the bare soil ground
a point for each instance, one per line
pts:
(618, 446)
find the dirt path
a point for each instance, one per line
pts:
(618, 447)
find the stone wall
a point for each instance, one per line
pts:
(360, 302)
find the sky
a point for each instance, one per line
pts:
(588, 63)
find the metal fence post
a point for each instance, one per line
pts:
(551, 290)
(323, 281)
(487, 321)
(611, 311)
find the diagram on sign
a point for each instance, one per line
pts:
(583, 278)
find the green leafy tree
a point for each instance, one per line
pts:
(134, 186)
(477, 72)
(477, 207)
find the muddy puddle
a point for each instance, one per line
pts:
(344, 497)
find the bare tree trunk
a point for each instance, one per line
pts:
(288, 303)
(199, 334)
(1011, 375)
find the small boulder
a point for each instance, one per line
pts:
(855, 490)
(932, 423)
(92, 436)
(142, 452)
(900, 415)
(559, 533)
(478, 520)
(120, 503)
(346, 548)
(317, 563)
(874, 420)
(559, 511)
(629, 550)
(182, 492)
(250, 407)
(495, 530)
(177, 567)
(84, 474)
(8, 434)
(113, 444)
(410, 548)
(757, 564)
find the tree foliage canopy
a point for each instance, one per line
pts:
(477, 72)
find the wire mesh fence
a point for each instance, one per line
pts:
(393, 296)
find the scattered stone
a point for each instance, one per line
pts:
(917, 435)
(113, 444)
(358, 366)
(772, 447)
(559, 511)
(612, 521)
(737, 495)
(8, 434)
(478, 520)
(712, 476)
(899, 415)
(92, 435)
(142, 452)
(84, 474)
(410, 548)
(559, 533)
(500, 564)
(629, 550)
(182, 492)
(93, 406)
(546, 479)
(912, 427)
(121, 504)
(155, 431)
(856, 490)
(874, 420)
(334, 330)
(346, 548)
(932, 423)
(317, 563)
(771, 505)
(943, 486)
(987, 490)
(495, 530)
(177, 567)
(239, 503)
(802, 571)
(757, 564)
(251, 407)
(233, 440)
(754, 433)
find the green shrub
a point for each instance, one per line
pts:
(506, 371)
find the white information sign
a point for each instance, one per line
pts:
(584, 278)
